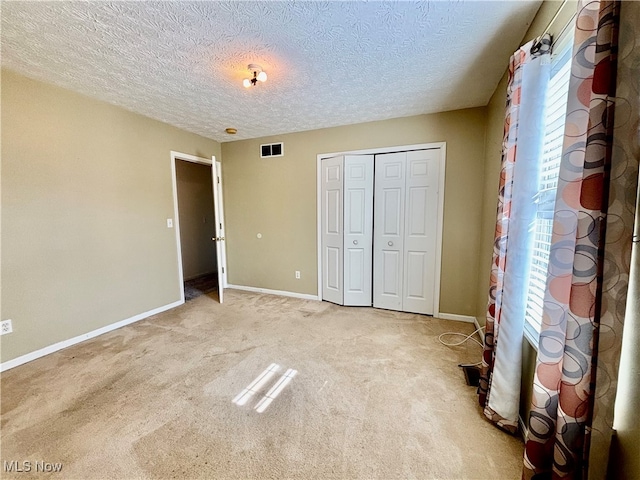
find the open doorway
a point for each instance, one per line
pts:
(196, 215)
(199, 226)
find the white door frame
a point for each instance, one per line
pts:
(441, 181)
(211, 162)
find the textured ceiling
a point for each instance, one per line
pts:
(329, 63)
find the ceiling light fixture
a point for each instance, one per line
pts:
(259, 75)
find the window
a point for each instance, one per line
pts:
(556, 110)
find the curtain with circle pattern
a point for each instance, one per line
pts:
(562, 404)
(500, 376)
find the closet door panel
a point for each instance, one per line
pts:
(333, 267)
(392, 202)
(421, 196)
(416, 282)
(358, 229)
(391, 280)
(332, 229)
(388, 248)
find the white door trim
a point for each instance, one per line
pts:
(438, 267)
(211, 162)
(441, 192)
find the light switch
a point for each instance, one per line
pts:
(169, 222)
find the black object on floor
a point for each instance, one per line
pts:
(471, 375)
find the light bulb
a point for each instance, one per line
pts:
(262, 76)
(246, 83)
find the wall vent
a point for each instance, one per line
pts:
(272, 150)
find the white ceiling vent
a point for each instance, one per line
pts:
(272, 150)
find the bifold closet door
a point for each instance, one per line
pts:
(388, 236)
(420, 230)
(358, 229)
(347, 229)
(332, 229)
(405, 219)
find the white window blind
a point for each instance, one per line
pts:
(556, 111)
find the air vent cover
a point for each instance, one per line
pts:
(272, 150)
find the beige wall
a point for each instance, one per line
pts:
(195, 204)
(86, 191)
(277, 198)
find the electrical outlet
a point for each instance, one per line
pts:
(169, 222)
(6, 327)
(298, 274)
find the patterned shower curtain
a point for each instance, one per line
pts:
(499, 389)
(562, 404)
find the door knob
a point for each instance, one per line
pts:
(355, 242)
(390, 243)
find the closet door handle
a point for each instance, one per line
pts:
(390, 243)
(355, 242)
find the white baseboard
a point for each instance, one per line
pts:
(456, 317)
(267, 291)
(85, 336)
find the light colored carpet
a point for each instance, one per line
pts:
(376, 396)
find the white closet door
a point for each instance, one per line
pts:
(420, 220)
(388, 249)
(358, 229)
(332, 230)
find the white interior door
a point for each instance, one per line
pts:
(421, 217)
(332, 229)
(388, 235)
(405, 234)
(223, 244)
(358, 229)
(219, 238)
